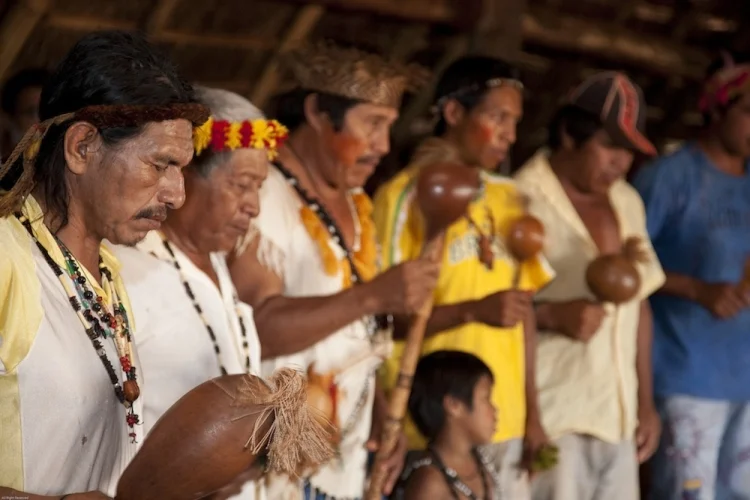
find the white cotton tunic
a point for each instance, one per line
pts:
(62, 429)
(287, 249)
(176, 351)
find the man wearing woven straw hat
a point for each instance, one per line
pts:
(309, 267)
(104, 163)
(191, 325)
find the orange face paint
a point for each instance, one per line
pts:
(346, 148)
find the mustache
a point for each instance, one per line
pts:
(369, 159)
(159, 213)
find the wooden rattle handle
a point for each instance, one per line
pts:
(399, 397)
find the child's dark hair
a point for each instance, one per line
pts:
(578, 124)
(441, 374)
(465, 81)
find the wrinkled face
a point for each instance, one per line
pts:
(488, 131)
(734, 128)
(362, 142)
(481, 420)
(601, 163)
(127, 188)
(27, 108)
(228, 199)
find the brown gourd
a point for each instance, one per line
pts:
(217, 431)
(444, 192)
(525, 237)
(614, 277)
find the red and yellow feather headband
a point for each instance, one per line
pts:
(223, 135)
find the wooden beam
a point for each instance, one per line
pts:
(79, 23)
(499, 33)
(409, 40)
(428, 11)
(16, 28)
(304, 22)
(160, 15)
(558, 31)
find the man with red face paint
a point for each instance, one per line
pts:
(593, 359)
(480, 306)
(308, 266)
(698, 207)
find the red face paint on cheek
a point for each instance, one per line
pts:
(346, 148)
(484, 134)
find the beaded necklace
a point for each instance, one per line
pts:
(199, 310)
(490, 478)
(374, 323)
(98, 322)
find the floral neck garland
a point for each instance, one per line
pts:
(199, 310)
(99, 322)
(357, 266)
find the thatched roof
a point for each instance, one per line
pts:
(664, 44)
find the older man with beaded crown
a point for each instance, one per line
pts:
(104, 163)
(308, 269)
(192, 327)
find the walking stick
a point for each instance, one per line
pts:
(443, 194)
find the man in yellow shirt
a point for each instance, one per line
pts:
(477, 307)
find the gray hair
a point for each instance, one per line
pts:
(224, 105)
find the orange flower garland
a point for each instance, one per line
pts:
(365, 259)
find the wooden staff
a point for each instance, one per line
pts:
(444, 192)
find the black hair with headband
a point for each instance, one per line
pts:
(468, 79)
(115, 80)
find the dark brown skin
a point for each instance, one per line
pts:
(218, 209)
(395, 462)
(578, 319)
(727, 143)
(649, 425)
(534, 436)
(124, 192)
(485, 134)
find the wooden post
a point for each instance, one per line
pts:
(301, 27)
(17, 26)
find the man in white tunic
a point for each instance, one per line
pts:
(104, 163)
(191, 325)
(308, 268)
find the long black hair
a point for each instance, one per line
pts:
(110, 67)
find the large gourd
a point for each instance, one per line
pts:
(614, 277)
(218, 430)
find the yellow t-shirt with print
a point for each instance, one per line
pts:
(463, 277)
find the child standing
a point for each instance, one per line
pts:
(451, 406)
